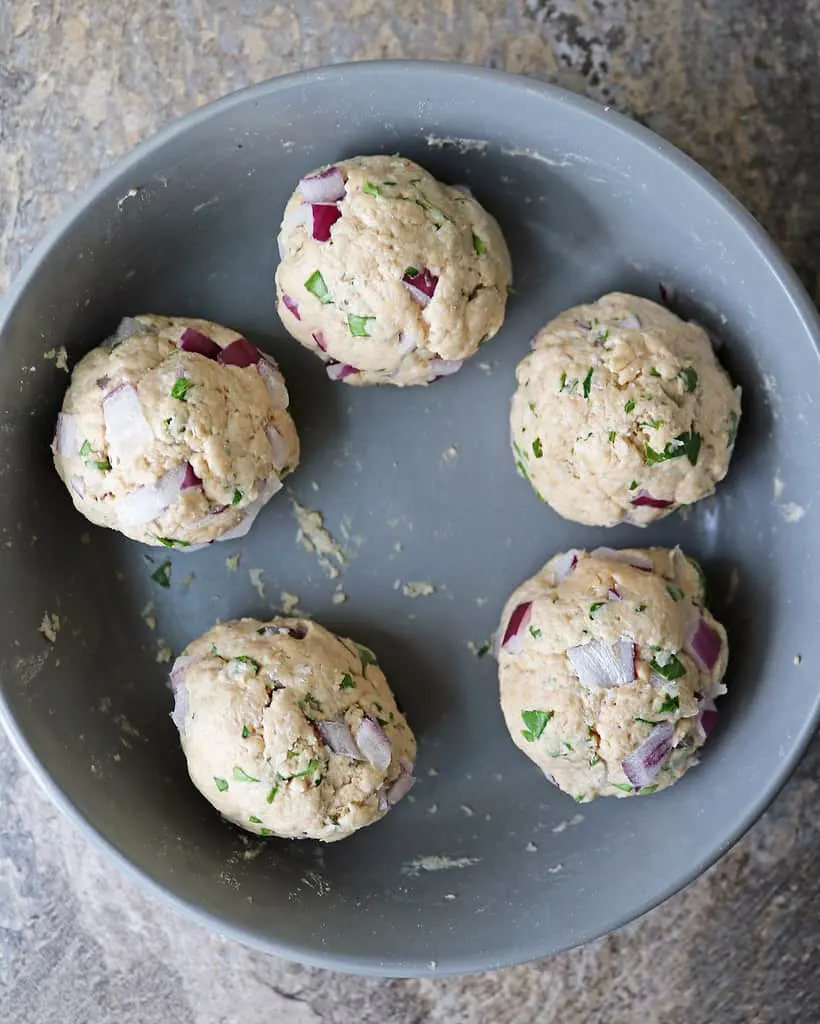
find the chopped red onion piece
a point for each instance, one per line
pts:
(704, 644)
(190, 479)
(103, 382)
(513, 641)
(127, 430)
(374, 743)
(239, 353)
(278, 445)
(613, 594)
(327, 186)
(443, 367)
(251, 511)
(597, 664)
(335, 733)
(319, 338)
(296, 632)
(291, 305)
(400, 788)
(193, 340)
(644, 499)
(324, 217)
(422, 286)
(707, 718)
(627, 557)
(642, 766)
(563, 565)
(630, 323)
(338, 371)
(65, 439)
(147, 503)
(79, 487)
(274, 382)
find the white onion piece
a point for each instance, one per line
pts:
(630, 323)
(335, 733)
(444, 367)
(65, 440)
(627, 557)
(180, 712)
(79, 486)
(272, 486)
(563, 565)
(597, 664)
(274, 382)
(179, 668)
(642, 766)
(278, 445)
(147, 503)
(127, 328)
(417, 294)
(406, 342)
(126, 429)
(513, 639)
(280, 245)
(374, 743)
(326, 187)
(400, 788)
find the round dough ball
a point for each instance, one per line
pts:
(388, 275)
(289, 730)
(175, 432)
(622, 413)
(609, 665)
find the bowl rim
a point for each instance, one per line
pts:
(304, 952)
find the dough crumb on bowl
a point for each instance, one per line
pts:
(609, 666)
(290, 730)
(622, 413)
(175, 432)
(388, 275)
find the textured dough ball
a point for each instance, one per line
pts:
(289, 730)
(609, 665)
(175, 432)
(622, 413)
(388, 275)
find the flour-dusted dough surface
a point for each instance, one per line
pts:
(609, 670)
(289, 730)
(345, 299)
(622, 413)
(171, 446)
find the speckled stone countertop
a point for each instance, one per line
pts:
(732, 82)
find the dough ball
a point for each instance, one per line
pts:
(289, 730)
(622, 413)
(609, 665)
(388, 275)
(175, 432)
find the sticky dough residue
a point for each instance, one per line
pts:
(315, 537)
(437, 863)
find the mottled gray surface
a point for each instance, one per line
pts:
(734, 83)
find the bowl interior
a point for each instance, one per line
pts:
(485, 864)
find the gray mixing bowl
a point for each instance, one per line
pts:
(487, 864)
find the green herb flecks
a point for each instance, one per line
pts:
(103, 465)
(172, 542)
(243, 659)
(312, 768)
(484, 649)
(654, 373)
(612, 436)
(411, 271)
(537, 448)
(265, 831)
(671, 669)
(241, 775)
(347, 682)
(479, 245)
(625, 786)
(272, 793)
(237, 496)
(310, 706)
(254, 820)
(315, 284)
(593, 608)
(689, 376)
(646, 790)
(734, 420)
(357, 325)
(221, 784)
(162, 575)
(633, 486)
(587, 385)
(645, 721)
(366, 656)
(182, 385)
(245, 732)
(640, 608)
(687, 444)
(86, 449)
(437, 212)
(671, 702)
(370, 189)
(567, 385)
(536, 722)
(674, 592)
(630, 405)
(535, 633)
(651, 424)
